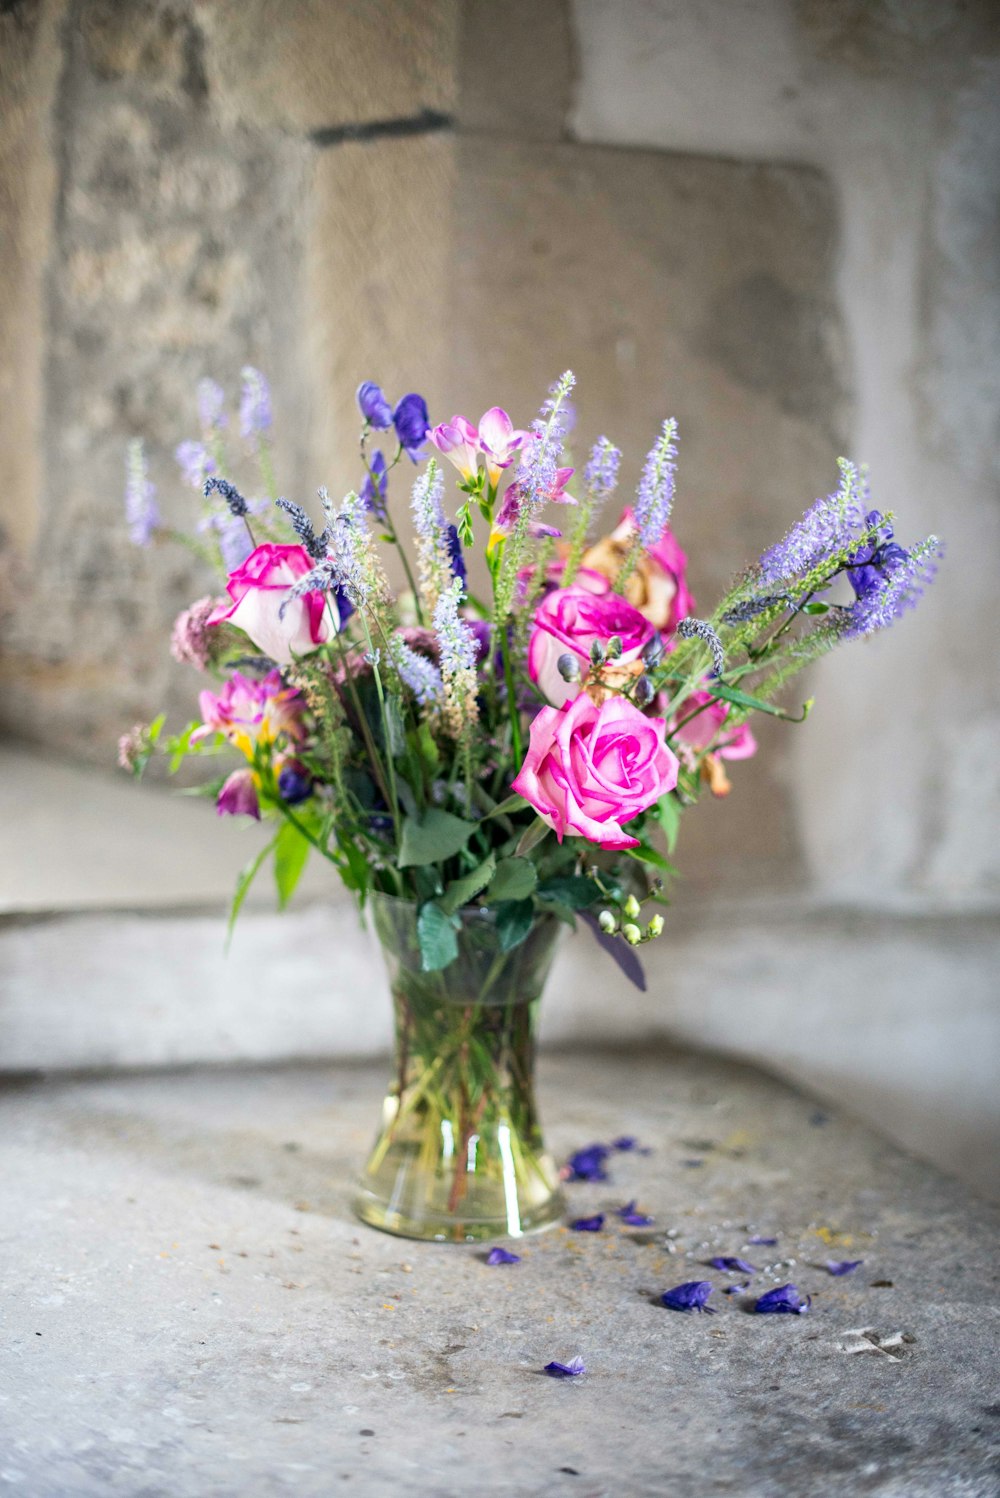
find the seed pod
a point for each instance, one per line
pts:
(652, 651)
(568, 666)
(644, 692)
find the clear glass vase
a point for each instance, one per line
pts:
(459, 1155)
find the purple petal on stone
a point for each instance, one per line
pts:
(843, 1266)
(588, 1224)
(565, 1370)
(690, 1296)
(785, 1301)
(735, 1289)
(625, 1142)
(588, 1164)
(735, 1266)
(632, 1218)
(766, 1242)
(501, 1256)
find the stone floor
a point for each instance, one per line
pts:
(190, 1308)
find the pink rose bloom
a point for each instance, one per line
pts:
(707, 728)
(589, 770)
(260, 586)
(238, 797)
(570, 620)
(250, 712)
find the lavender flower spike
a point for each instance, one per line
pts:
(211, 407)
(600, 477)
(700, 629)
(433, 551)
(827, 527)
(457, 645)
(229, 492)
(195, 462)
(255, 403)
(690, 1296)
(655, 495)
(416, 672)
(141, 513)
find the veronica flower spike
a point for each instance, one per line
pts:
(498, 441)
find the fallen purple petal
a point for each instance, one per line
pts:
(843, 1266)
(767, 1242)
(625, 1142)
(735, 1266)
(565, 1370)
(735, 1289)
(785, 1301)
(588, 1224)
(633, 1218)
(501, 1256)
(588, 1164)
(690, 1296)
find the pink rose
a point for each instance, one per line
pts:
(570, 620)
(260, 586)
(588, 769)
(707, 728)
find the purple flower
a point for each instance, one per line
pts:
(734, 1266)
(501, 1256)
(234, 541)
(565, 1370)
(455, 557)
(633, 1219)
(588, 1164)
(889, 582)
(193, 638)
(735, 1289)
(412, 424)
(238, 797)
(373, 405)
(625, 1142)
(655, 495)
(843, 1266)
(767, 1242)
(600, 476)
(141, 513)
(375, 487)
(294, 785)
(690, 1296)
(211, 406)
(195, 462)
(785, 1301)
(255, 403)
(826, 528)
(588, 1224)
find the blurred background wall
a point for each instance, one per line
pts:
(776, 221)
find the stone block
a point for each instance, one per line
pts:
(517, 68)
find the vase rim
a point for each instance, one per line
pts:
(471, 913)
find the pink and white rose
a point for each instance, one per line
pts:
(570, 620)
(260, 586)
(589, 770)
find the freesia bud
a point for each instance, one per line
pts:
(655, 927)
(632, 935)
(607, 922)
(631, 907)
(568, 666)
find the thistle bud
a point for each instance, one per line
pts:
(607, 922)
(644, 692)
(568, 666)
(597, 653)
(652, 651)
(632, 935)
(655, 927)
(631, 907)
(614, 647)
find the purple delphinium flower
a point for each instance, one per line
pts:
(784, 1301)
(766, 1242)
(842, 1266)
(734, 1266)
(572, 1369)
(211, 407)
(141, 513)
(588, 1164)
(501, 1256)
(691, 1296)
(373, 405)
(255, 403)
(375, 487)
(588, 1224)
(888, 583)
(633, 1218)
(294, 785)
(195, 462)
(455, 558)
(655, 496)
(412, 424)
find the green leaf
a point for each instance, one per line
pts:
(429, 751)
(291, 853)
(514, 921)
(532, 837)
(432, 838)
(574, 890)
(515, 879)
(719, 690)
(460, 891)
(243, 883)
(396, 727)
(512, 803)
(650, 855)
(180, 745)
(463, 521)
(436, 935)
(815, 608)
(668, 814)
(562, 912)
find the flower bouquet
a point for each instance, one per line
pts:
(491, 751)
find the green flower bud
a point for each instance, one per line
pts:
(607, 922)
(631, 907)
(655, 927)
(597, 653)
(632, 934)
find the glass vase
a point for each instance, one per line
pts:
(459, 1155)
